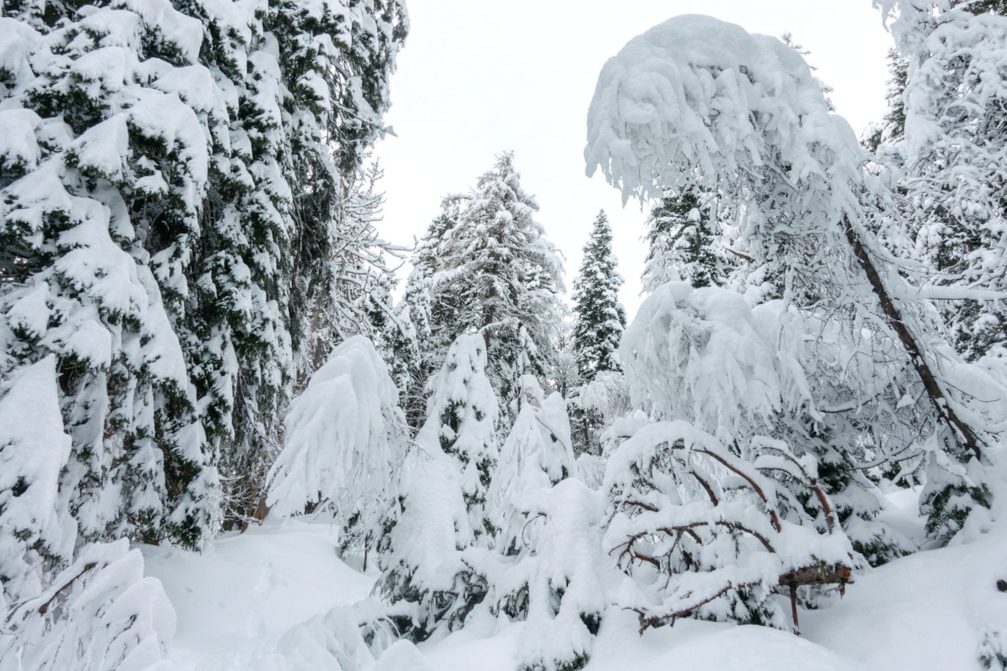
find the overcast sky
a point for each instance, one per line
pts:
(476, 78)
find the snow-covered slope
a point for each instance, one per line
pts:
(245, 595)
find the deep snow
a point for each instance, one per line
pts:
(237, 600)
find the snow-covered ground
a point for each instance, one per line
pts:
(236, 602)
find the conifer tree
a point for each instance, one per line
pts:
(684, 243)
(499, 276)
(462, 420)
(600, 317)
(170, 210)
(951, 109)
(102, 195)
(536, 455)
(421, 336)
(345, 439)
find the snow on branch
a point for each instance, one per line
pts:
(729, 530)
(345, 440)
(697, 100)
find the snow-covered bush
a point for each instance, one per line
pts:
(91, 610)
(536, 455)
(738, 372)
(560, 584)
(713, 534)
(594, 406)
(35, 534)
(345, 441)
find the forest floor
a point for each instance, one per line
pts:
(238, 602)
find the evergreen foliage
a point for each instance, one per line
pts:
(600, 317)
(684, 242)
(490, 270)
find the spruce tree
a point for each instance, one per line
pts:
(462, 421)
(170, 211)
(684, 243)
(498, 275)
(600, 317)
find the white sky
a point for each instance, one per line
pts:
(476, 78)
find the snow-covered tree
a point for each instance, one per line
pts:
(173, 194)
(600, 317)
(311, 83)
(462, 420)
(685, 242)
(420, 337)
(345, 439)
(536, 455)
(425, 578)
(559, 584)
(951, 152)
(431, 582)
(499, 275)
(102, 198)
(793, 172)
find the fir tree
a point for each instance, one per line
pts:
(600, 317)
(951, 109)
(177, 215)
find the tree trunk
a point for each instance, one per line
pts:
(963, 432)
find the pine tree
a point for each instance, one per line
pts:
(104, 208)
(443, 510)
(180, 202)
(420, 339)
(600, 316)
(893, 127)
